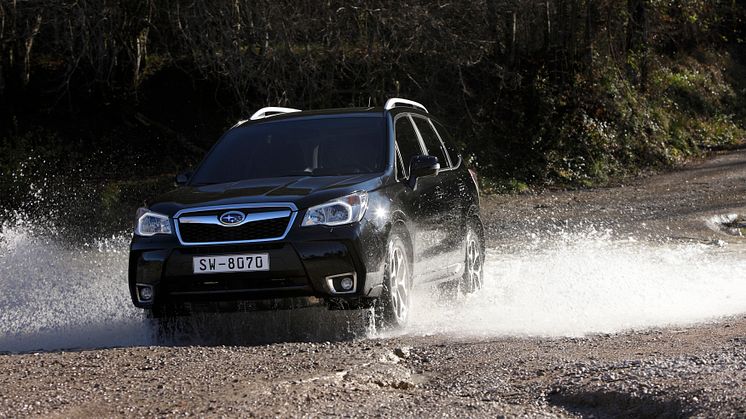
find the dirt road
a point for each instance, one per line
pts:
(694, 369)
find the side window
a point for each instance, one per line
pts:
(432, 142)
(400, 172)
(407, 141)
(453, 152)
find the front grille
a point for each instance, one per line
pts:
(256, 230)
(245, 210)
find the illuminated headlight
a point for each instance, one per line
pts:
(345, 210)
(151, 223)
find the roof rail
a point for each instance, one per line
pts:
(394, 101)
(271, 111)
(239, 123)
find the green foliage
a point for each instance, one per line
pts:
(614, 129)
(503, 186)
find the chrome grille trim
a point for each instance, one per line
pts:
(290, 211)
(213, 219)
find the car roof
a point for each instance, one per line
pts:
(340, 112)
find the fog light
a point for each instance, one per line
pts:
(342, 283)
(145, 293)
(346, 283)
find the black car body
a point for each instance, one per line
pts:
(398, 208)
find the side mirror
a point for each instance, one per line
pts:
(421, 166)
(183, 178)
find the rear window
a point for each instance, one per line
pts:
(305, 147)
(453, 152)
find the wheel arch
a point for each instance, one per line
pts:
(399, 224)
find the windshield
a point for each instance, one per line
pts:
(298, 147)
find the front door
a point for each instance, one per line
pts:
(427, 205)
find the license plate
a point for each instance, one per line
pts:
(231, 263)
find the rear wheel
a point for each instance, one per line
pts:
(473, 278)
(393, 307)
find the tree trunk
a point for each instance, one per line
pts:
(547, 27)
(511, 36)
(28, 45)
(590, 11)
(637, 39)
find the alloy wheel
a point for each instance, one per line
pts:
(473, 273)
(398, 283)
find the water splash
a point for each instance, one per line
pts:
(59, 295)
(580, 283)
(64, 297)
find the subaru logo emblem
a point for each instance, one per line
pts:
(232, 218)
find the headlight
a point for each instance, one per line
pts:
(151, 223)
(345, 210)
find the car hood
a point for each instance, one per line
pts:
(303, 191)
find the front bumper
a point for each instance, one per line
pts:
(300, 266)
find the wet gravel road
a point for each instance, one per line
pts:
(660, 373)
(674, 371)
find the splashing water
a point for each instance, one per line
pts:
(59, 296)
(576, 284)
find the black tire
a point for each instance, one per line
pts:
(164, 320)
(168, 310)
(473, 278)
(394, 305)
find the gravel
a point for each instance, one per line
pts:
(695, 371)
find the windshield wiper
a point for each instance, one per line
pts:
(287, 174)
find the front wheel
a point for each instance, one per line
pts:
(166, 321)
(393, 307)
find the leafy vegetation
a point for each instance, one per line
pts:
(556, 92)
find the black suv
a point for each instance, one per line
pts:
(348, 207)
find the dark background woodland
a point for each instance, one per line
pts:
(108, 99)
